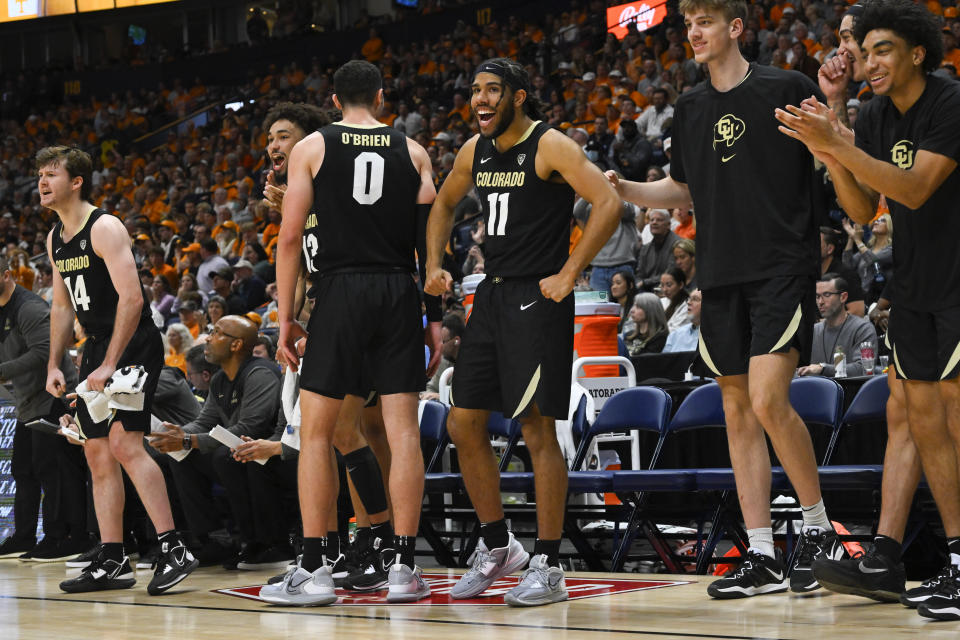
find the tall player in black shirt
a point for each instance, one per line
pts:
(907, 146)
(517, 351)
(362, 183)
(757, 256)
(95, 280)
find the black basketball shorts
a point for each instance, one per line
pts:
(738, 322)
(144, 349)
(366, 331)
(517, 349)
(925, 345)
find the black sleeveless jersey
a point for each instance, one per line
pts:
(527, 218)
(364, 214)
(88, 282)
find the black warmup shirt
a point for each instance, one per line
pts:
(92, 293)
(925, 241)
(364, 214)
(527, 218)
(752, 186)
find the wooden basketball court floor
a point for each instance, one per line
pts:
(31, 606)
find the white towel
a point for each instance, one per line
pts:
(123, 391)
(290, 399)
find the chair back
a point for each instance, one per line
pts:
(433, 426)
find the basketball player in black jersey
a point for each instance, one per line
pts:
(907, 147)
(287, 124)
(95, 280)
(362, 183)
(757, 255)
(517, 351)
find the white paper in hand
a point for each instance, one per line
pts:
(156, 426)
(229, 439)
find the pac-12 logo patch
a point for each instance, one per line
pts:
(521, 158)
(83, 245)
(727, 131)
(901, 154)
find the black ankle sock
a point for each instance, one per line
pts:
(113, 551)
(495, 534)
(362, 539)
(888, 547)
(313, 551)
(406, 546)
(333, 545)
(171, 537)
(953, 545)
(550, 548)
(384, 531)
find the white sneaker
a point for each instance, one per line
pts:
(301, 588)
(406, 584)
(489, 565)
(540, 584)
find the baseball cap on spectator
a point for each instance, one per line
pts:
(253, 317)
(950, 12)
(243, 264)
(170, 224)
(589, 75)
(616, 73)
(141, 237)
(443, 135)
(853, 102)
(193, 246)
(188, 305)
(787, 10)
(224, 272)
(230, 224)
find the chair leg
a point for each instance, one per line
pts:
(706, 553)
(440, 550)
(583, 547)
(662, 547)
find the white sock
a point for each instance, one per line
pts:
(955, 559)
(816, 516)
(761, 540)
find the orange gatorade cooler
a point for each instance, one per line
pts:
(595, 331)
(469, 288)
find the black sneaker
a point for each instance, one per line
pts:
(148, 559)
(102, 574)
(913, 598)
(212, 553)
(757, 574)
(248, 551)
(83, 560)
(814, 544)
(945, 603)
(374, 574)
(341, 570)
(51, 550)
(174, 564)
(870, 575)
(13, 547)
(275, 557)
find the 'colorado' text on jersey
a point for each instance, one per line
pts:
(527, 218)
(373, 225)
(91, 291)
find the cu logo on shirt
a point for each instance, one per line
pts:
(728, 130)
(901, 154)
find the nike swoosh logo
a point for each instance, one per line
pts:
(524, 307)
(485, 159)
(869, 570)
(776, 576)
(727, 158)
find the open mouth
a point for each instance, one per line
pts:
(877, 78)
(278, 159)
(485, 116)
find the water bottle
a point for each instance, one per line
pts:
(839, 363)
(879, 280)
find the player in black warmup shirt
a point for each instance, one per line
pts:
(517, 351)
(362, 183)
(907, 146)
(757, 258)
(95, 279)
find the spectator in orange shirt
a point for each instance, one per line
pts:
(372, 49)
(688, 225)
(179, 339)
(461, 107)
(160, 268)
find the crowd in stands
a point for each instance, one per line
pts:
(204, 238)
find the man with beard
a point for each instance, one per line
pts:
(516, 353)
(907, 147)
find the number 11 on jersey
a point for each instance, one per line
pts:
(499, 205)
